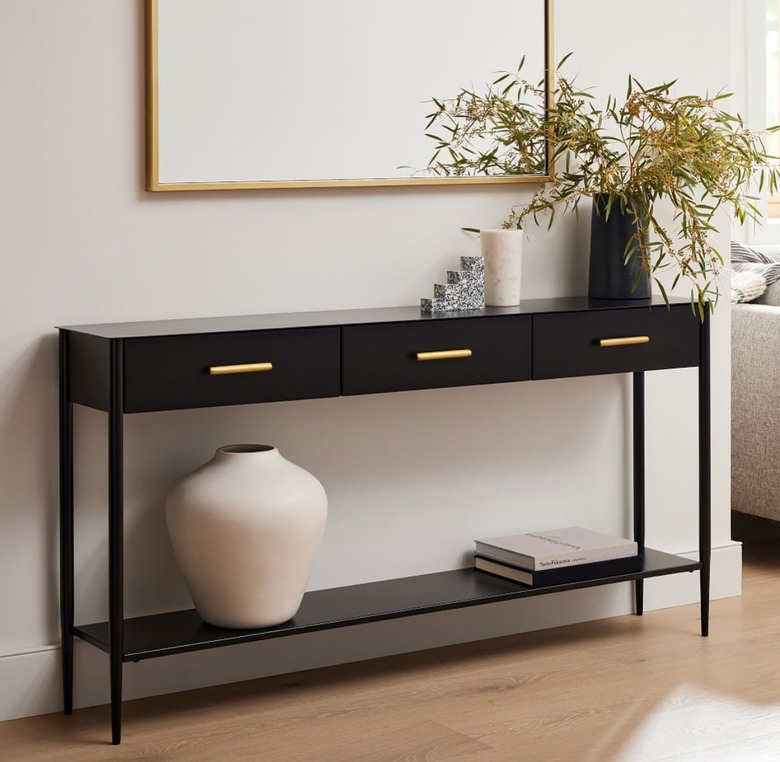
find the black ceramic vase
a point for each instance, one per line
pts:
(610, 277)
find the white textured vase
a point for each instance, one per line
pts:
(245, 528)
(502, 251)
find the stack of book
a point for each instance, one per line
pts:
(557, 556)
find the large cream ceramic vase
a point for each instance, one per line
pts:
(245, 528)
(502, 251)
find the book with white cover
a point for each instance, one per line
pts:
(555, 547)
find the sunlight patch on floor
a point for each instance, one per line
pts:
(694, 725)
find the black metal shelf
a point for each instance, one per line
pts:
(180, 631)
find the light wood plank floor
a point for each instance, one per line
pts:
(629, 689)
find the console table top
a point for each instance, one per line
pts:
(284, 320)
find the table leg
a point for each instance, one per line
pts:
(115, 539)
(705, 471)
(639, 481)
(67, 582)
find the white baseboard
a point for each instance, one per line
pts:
(31, 680)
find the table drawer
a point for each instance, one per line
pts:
(392, 357)
(169, 372)
(591, 343)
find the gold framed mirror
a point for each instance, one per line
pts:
(249, 94)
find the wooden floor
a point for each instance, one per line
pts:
(629, 689)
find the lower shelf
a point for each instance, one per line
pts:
(181, 631)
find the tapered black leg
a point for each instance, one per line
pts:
(115, 540)
(639, 482)
(705, 472)
(66, 527)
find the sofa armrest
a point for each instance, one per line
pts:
(755, 409)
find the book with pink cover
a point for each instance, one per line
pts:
(552, 548)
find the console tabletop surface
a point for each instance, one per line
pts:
(282, 320)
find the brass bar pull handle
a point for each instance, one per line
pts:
(447, 354)
(624, 341)
(249, 367)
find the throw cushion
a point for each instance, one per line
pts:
(748, 260)
(747, 286)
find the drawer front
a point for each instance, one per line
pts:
(579, 343)
(169, 372)
(384, 357)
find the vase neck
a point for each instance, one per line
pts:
(246, 452)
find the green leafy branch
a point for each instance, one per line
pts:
(654, 147)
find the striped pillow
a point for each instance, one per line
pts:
(745, 259)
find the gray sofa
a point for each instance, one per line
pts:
(755, 402)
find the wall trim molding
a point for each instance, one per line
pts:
(31, 678)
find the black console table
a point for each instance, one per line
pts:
(126, 368)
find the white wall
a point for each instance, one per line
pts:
(411, 481)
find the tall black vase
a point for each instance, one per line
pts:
(610, 277)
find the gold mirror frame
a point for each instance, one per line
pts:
(153, 144)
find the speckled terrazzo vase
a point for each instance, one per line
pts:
(245, 528)
(502, 251)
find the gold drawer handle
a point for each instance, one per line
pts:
(249, 367)
(625, 341)
(447, 354)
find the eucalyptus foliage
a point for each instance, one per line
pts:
(685, 151)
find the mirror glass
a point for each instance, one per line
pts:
(270, 93)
